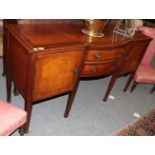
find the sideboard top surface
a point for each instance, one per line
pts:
(66, 34)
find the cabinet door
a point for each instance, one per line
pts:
(132, 56)
(56, 73)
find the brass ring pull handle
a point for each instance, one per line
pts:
(94, 69)
(75, 70)
(98, 55)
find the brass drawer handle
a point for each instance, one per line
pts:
(75, 70)
(118, 63)
(93, 69)
(98, 55)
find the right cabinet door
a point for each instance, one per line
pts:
(56, 73)
(132, 56)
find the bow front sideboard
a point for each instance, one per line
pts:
(46, 60)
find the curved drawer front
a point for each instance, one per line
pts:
(103, 54)
(99, 69)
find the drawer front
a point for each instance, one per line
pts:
(100, 69)
(56, 73)
(103, 54)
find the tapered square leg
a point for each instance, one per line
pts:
(9, 86)
(128, 82)
(28, 108)
(15, 91)
(110, 86)
(70, 100)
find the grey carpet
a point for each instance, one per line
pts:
(90, 116)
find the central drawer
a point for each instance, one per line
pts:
(100, 69)
(101, 55)
(101, 62)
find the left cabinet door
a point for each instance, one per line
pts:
(56, 73)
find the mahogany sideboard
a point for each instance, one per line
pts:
(45, 60)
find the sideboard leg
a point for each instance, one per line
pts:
(22, 131)
(4, 47)
(128, 82)
(15, 91)
(110, 86)
(70, 101)
(9, 85)
(4, 74)
(28, 109)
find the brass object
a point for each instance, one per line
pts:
(75, 70)
(95, 27)
(94, 70)
(98, 55)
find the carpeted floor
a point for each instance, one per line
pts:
(143, 126)
(90, 116)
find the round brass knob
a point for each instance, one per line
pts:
(75, 70)
(94, 69)
(98, 55)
